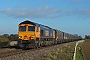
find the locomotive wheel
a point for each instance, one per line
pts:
(55, 42)
(39, 45)
(35, 46)
(24, 47)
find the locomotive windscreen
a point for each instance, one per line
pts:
(22, 28)
(31, 28)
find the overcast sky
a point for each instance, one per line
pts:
(71, 16)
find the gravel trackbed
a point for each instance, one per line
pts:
(34, 54)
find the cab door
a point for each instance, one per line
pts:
(37, 32)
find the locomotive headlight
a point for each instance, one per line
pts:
(32, 37)
(20, 37)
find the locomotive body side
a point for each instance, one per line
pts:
(46, 32)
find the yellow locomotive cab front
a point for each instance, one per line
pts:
(26, 32)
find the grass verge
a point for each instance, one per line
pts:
(64, 53)
(79, 55)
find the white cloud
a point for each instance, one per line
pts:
(30, 12)
(80, 12)
(45, 12)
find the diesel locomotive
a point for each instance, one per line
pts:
(33, 35)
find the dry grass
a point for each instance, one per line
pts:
(64, 53)
(86, 50)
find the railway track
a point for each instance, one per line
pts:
(32, 52)
(6, 49)
(9, 53)
(15, 52)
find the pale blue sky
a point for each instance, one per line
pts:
(71, 16)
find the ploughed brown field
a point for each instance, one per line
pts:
(86, 50)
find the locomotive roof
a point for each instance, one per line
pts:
(29, 22)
